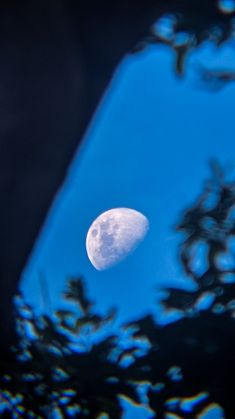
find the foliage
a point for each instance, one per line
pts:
(71, 365)
(184, 26)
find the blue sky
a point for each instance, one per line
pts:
(147, 148)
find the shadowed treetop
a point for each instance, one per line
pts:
(57, 59)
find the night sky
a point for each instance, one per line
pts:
(147, 148)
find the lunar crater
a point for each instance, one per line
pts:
(94, 232)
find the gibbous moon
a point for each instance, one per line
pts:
(114, 235)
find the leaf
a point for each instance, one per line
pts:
(76, 292)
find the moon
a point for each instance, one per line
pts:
(113, 235)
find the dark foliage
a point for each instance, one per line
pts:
(73, 365)
(184, 27)
(57, 59)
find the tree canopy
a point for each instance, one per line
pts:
(57, 61)
(75, 364)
